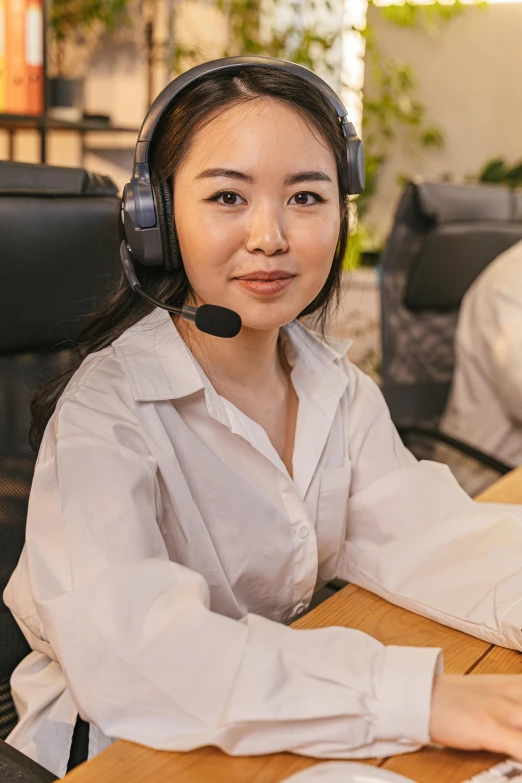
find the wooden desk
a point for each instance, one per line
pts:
(125, 762)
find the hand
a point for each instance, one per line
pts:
(478, 712)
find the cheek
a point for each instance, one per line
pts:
(316, 241)
(191, 240)
(204, 239)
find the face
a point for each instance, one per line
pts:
(256, 207)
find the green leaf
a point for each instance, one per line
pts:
(432, 137)
(494, 171)
(514, 175)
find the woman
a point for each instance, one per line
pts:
(191, 492)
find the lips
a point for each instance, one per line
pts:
(265, 284)
(277, 274)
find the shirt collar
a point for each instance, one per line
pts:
(156, 361)
(159, 365)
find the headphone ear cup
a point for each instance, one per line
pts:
(356, 173)
(164, 212)
(162, 218)
(168, 201)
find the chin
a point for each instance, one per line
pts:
(263, 317)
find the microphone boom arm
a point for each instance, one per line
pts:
(227, 322)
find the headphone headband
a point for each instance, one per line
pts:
(230, 64)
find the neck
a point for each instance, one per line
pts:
(251, 360)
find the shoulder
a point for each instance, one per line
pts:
(494, 297)
(96, 401)
(100, 376)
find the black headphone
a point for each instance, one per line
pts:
(147, 203)
(150, 234)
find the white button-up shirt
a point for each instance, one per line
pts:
(167, 547)
(485, 404)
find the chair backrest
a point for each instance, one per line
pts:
(58, 258)
(442, 238)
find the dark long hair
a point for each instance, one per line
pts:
(193, 109)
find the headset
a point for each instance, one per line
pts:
(150, 235)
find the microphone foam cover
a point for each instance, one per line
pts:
(219, 321)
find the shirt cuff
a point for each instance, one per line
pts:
(404, 693)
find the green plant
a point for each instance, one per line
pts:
(499, 172)
(304, 44)
(411, 14)
(391, 109)
(76, 27)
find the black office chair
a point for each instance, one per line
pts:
(58, 259)
(443, 237)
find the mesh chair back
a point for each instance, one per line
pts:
(59, 230)
(443, 236)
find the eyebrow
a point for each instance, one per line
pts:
(307, 176)
(230, 173)
(294, 179)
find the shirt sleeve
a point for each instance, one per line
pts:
(147, 661)
(418, 540)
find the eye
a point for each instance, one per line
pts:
(227, 197)
(307, 199)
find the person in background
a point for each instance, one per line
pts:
(485, 403)
(191, 493)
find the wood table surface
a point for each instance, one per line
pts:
(126, 762)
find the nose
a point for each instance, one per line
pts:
(266, 231)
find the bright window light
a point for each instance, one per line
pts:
(446, 2)
(352, 62)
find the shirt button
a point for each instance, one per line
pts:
(298, 609)
(303, 532)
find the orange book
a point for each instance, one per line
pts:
(2, 56)
(16, 69)
(34, 33)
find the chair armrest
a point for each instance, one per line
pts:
(336, 584)
(15, 765)
(433, 434)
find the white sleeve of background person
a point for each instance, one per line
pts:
(501, 339)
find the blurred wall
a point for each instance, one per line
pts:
(469, 79)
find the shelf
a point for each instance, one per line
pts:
(20, 121)
(44, 122)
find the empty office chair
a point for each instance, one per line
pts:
(58, 258)
(443, 236)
